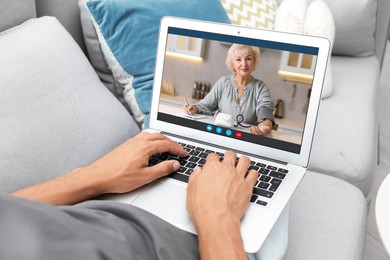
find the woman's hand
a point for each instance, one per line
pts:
(190, 109)
(262, 128)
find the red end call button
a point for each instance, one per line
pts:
(238, 135)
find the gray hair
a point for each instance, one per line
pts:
(255, 51)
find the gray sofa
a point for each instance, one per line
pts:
(56, 114)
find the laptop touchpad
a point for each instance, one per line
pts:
(166, 201)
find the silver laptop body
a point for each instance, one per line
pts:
(195, 51)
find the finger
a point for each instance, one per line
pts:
(155, 136)
(212, 157)
(162, 146)
(230, 158)
(243, 163)
(163, 169)
(254, 130)
(186, 109)
(252, 177)
(195, 173)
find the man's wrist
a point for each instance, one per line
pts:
(220, 235)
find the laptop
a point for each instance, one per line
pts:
(190, 59)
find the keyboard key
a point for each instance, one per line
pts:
(182, 162)
(179, 176)
(263, 185)
(283, 170)
(191, 165)
(190, 146)
(265, 178)
(264, 171)
(254, 198)
(202, 161)
(199, 149)
(194, 153)
(262, 203)
(182, 169)
(253, 167)
(189, 171)
(276, 181)
(274, 187)
(193, 159)
(272, 168)
(202, 155)
(263, 193)
(261, 165)
(277, 175)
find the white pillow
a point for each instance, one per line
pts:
(290, 16)
(297, 16)
(319, 21)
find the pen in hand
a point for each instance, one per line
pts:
(188, 105)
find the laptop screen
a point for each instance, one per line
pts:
(199, 71)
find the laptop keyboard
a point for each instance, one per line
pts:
(270, 177)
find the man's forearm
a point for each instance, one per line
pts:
(73, 187)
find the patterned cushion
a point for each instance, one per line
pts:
(251, 13)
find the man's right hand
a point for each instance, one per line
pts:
(217, 198)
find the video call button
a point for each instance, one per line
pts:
(228, 132)
(209, 128)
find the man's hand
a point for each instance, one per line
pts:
(123, 169)
(217, 198)
(126, 167)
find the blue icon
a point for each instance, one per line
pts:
(218, 130)
(209, 128)
(228, 132)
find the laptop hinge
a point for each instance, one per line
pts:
(224, 148)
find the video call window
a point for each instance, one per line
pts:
(257, 91)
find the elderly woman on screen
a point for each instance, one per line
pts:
(241, 95)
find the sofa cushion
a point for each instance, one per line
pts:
(55, 113)
(355, 26)
(355, 23)
(314, 19)
(254, 13)
(327, 220)
(345, 141)
(130, 29)
(15, 12)
(319, 21)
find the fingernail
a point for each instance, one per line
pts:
(176, 166)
